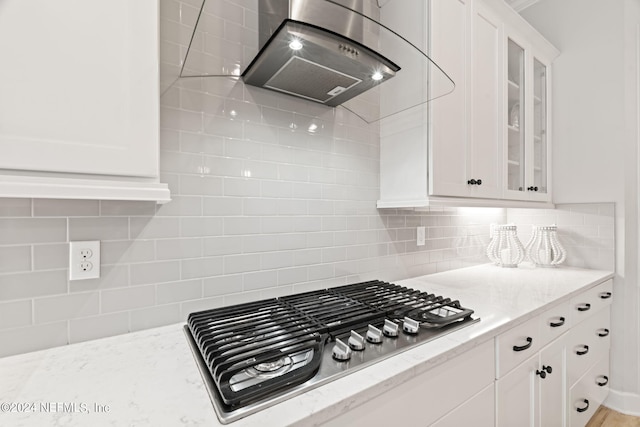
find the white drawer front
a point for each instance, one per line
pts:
(554, 322)
(589, 302)
(477, 411)
(516, 345)
(588, 393)
(588, 342)
(473, 368)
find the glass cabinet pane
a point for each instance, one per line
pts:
(539, 126)
(515, 116)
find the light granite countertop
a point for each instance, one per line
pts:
(149, 378)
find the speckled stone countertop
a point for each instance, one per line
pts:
(150, 378)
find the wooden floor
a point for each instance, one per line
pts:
(605, 417)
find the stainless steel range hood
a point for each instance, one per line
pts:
(333, 52)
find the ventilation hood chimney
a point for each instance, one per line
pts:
(333, 52)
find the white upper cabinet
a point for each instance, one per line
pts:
(461, 149)
(80, 99)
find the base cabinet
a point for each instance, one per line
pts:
(433, 396)
(564, 382)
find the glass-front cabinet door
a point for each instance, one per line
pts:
(539, 154)
(527, 123)
(515, 120)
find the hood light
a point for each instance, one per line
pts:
(377, 76)
(295, 44)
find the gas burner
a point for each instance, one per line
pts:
(271, 369)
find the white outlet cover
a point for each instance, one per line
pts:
(84, 260)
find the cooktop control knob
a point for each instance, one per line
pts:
(356, 341)
(410, 326)
(341, 351)
(374, 335)
(390, 328)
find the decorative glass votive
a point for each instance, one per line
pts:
(505, 249)
(544, 248)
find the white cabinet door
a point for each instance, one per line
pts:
(486, 88)
(79, 84)
(466, 137)
(449, 151)
(552, 390)
(516, 395)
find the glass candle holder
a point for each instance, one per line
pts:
(505, 249)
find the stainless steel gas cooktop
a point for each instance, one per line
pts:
(257, 354)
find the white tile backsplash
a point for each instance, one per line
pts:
(261, 207)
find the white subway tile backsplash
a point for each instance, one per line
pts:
(100, 228)
(32, 230)
(49, 207)
(201, 267)
(260, 280)
(188, 307)
(65, 307)
(89, 328)
(154, 227)
(32, 285)
(178, 248)
(32, 338)
(15, 314)
(121, 252)
(111, 276)
(179, 291)
(154, 272)
(226, 245)
(15, 259)
(127, 298)
(241, 225)
(241, 263)
(126, 208)
(222, 285)
(181, 206)
(153, 317)
(15, 207)
(201, 144)
(275, 260)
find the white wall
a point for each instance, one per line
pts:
(595, 146)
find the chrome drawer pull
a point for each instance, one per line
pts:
(585, 408)
(605, 295)
(603, 334)
(584, 307)
(606, 381)
(583, 352)
(557, 324)
(524, 347)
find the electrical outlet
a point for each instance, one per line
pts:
(84, 260)
(420, 232)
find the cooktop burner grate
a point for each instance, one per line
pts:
(251, 355)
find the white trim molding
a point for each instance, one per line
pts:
(624, 402)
